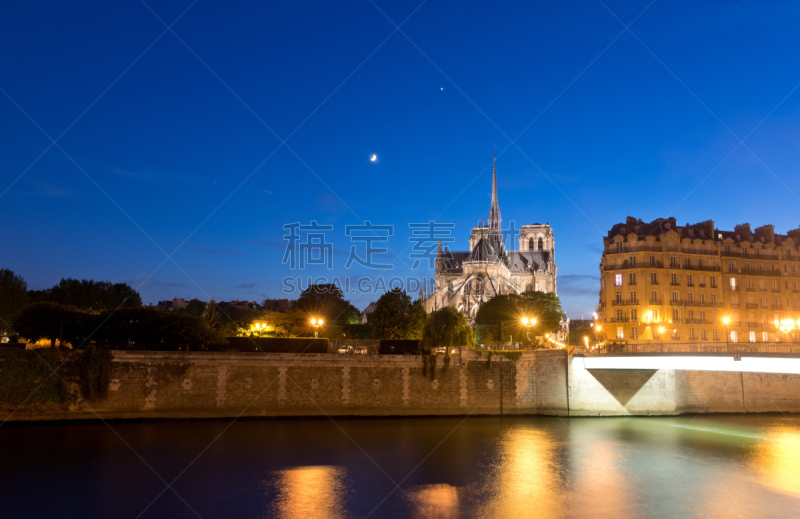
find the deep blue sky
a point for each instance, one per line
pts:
(168, 142)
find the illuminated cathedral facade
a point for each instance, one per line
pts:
(466, 279)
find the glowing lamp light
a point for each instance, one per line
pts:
(525, 320)
(599, 327)
(726, 319)
(660, 329)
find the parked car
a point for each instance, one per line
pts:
(345, 349)
(442, 350)
(455, 351)
(361, 350)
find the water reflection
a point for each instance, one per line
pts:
(777, 460)
(528, 477)
(436, 501)
(304, 492)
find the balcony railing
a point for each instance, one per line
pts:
(707, 268)
(752, 305)
(777, 307)
(624, 302)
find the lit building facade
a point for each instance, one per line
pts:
(467, 279)
(670, 283)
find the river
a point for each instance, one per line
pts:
(482, 467)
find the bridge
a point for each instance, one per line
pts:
(745, 362)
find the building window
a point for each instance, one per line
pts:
(715, 334)
(731, 266)
(654, 296)
(530, 244)
(691, 297)
(688, 262)
(619, 315)
(673, 278)
(728, 249)
(655, 314)
(774, 286)
(541, 244)
(733, 336)
(633, 297)
(652, 261)
(699, 263)
(689, 279)
(620, 333)
(794, 268)
(704, 334)
(619, 246)
(702, 297)
(752, 336)
(633, 261)
(631, 279)
(702, 315)
(619, 297)
(634, 333)
(618, 280)
(654, 278)
(674, 296)
(733, 283)
(794, 286)
(760, 266)
(713, 281)
(634, 316)
(691, 333)
(713, 298)
(764, 335)
(676, 316)
(772, 267)
(673, 261)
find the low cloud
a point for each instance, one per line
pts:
(578, 284)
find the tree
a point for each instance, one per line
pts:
(577, 331)
(13, 298)
(396, 317)
(446, 327)
(511, 308)
(90, 294)
(53, 321)
(326, 302)
(195, 307)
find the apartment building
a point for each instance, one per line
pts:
(670, 283)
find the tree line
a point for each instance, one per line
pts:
(111, 315)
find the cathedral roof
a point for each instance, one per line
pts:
(526, 260)
(487, 250)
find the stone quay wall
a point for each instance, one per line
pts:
(180, 385)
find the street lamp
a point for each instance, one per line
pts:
(727, 321)
(528, 323)
(597, 330)
(661, 333)
(787, 326)
(316, 323)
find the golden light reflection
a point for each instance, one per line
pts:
(314, 491)
(777, 459)
(435, 501)
(526, 478)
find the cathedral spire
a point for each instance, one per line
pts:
(494, 211)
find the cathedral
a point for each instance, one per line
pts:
(466, 279)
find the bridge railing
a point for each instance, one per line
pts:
(700, 347)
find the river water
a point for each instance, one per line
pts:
(483, 467)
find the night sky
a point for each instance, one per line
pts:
(171, 143)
